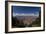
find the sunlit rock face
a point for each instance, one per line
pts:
(26, 20)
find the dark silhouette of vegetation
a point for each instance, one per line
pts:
(16, 22)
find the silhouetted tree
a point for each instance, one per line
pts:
(17, 23)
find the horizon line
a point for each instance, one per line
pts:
(25, 14)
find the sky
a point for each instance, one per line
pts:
(25, 10)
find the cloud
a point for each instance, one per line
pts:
(22, 14)
(14, 14)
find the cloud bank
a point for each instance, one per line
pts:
(22, 14)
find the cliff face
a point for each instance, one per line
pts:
(23, 21)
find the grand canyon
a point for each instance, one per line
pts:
(23, 20)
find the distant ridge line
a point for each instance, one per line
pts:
(26, 15)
